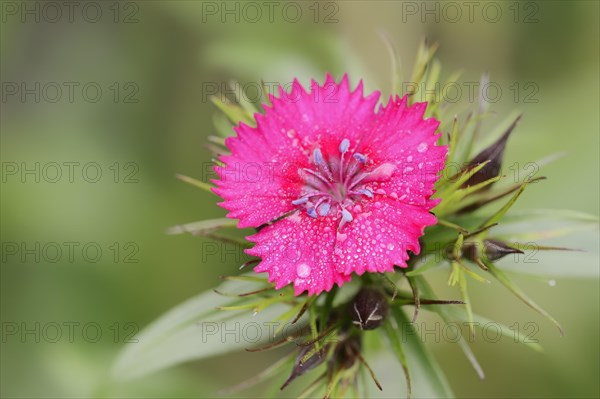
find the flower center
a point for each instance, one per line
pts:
(332, 186)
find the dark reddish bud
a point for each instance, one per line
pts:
(347, 352)
(494, 153)
(304, 363)
(369, 308)
(492, 250)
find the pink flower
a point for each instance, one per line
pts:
(338, 187)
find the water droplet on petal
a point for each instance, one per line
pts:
(303, 270)
(422, 147)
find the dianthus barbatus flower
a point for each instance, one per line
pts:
(341, 188)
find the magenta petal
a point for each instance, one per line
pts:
(379, 237)
(299, 250)
(402, 137)
(260, 178)
(350, 187)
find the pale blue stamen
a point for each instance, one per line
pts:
(318, 157)
(360, 157)
(366, 191)
(347, 216)
(327, 194)
(344, 145)
(324, 209)
(300, 201)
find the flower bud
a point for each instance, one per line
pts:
(494, 153)
(492, 250)
(369, 308)
(302, 365)
(347, 352)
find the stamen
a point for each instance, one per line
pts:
(324, 209)
(360, 158)
(315, 174)
(320, 162)
(318, 157)
(344, 145)
(335, 183)
(300, 201)
(365, 191)
(347, 216)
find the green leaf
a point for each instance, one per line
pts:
(428, 380)
(195, 330)
(447, 187)
(464, 292)
(234, 112)
(242, 99)
(502, 211)
(223, 125)
(424, 56)
(393, 334)
(507, 282)
(453, 139)
(444, 313)
(395, 58)
(549, 214)
(455, 200)
(582, 263)
(197, 183)
(202, 227)
(428, 265)
(507, 332)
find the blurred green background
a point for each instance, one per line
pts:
(154, 62)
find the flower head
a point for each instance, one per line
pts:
(338, 186)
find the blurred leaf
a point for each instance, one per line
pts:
(222, 124)
(480, 201)
(396, 64)
(445, 315)
(507, 332)
(197, 183)
(426, 370)
(203, 226)
(195, 330)
(234, 112)
(507, 282)
(242, 98)
(449, 186)
(456, 200)
(540, 213)
(429, 264)
(495, 218)
(393, 334)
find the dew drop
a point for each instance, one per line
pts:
(303, 270)
(422, 147)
